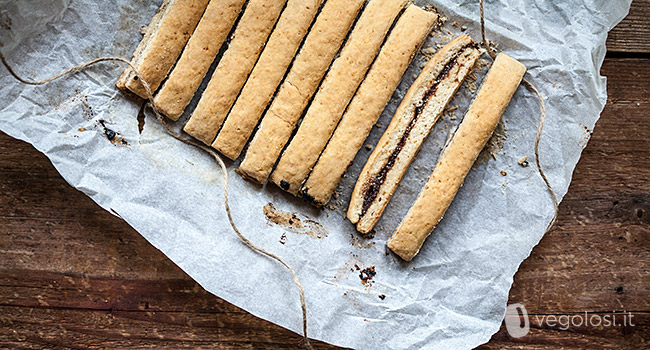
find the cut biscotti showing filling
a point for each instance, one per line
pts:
(369, 101)
(411, 124)
(163, 42)
(458, 156)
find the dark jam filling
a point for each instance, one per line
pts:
(374, 184)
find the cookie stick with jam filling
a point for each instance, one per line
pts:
(458, 156)
(415, 117)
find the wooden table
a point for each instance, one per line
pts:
(74, 276)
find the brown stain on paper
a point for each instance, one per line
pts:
(293, 222)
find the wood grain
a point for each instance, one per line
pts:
(74, 276)
(632, 35)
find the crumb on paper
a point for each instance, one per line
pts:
(503, 173)
(523, 161)
(360, 242)
(293, 223)
(280, 217)
(113, 136)
(366, 275)
(283, 238)
(382, 296)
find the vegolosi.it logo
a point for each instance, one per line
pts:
(518, 323)
(516, 320)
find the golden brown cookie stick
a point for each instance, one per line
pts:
(231, 73)
(163, 42)
(266, 76)
(335, 93)
(178, 90)
(316, 55)
(458, 156)
(367, 105)
(417, 114)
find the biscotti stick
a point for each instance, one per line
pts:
(458, 156)
(177, 92)
(163, 42)
(231, 73)
(335, 93)
(316, 55)
(266, 76)
(415, 117)
(367, 105)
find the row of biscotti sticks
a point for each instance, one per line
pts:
(260, 77)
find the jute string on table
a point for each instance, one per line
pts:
(188, 141)
(224, 170)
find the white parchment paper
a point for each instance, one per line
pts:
(453, 295)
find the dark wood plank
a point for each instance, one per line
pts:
(632, 35)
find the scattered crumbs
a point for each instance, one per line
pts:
(5, 21)
(494, 155)
(429, 51)
(442, 19)
(368, 147)
(292, 223)
(463, 28)
(283, 238)
(382, 296)
(415, 167)
(523, 161)
(361, 242)
(503, 173)
(451, 111)
(81, 129)
(366, 275)
(480, 65)
(143, 30)
(470, 85)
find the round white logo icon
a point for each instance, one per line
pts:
(517, 322)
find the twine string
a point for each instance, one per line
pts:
(188, 141)
(542, 119)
